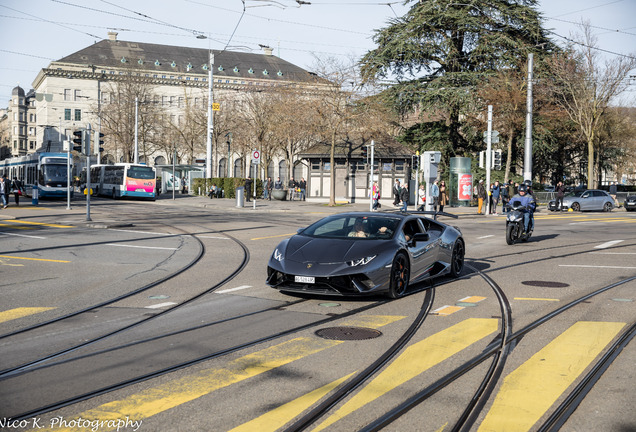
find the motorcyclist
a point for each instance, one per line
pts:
(526, 200)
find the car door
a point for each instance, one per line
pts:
(423, 253)
(587, 201)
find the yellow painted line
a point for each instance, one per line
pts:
(8, 225)
(18, 221)
(372, 321)
(536, 299)
(16, 313)
(172, 394)
(447, 310)
(528, 392)
(280, 235)
(472, 299)
(277, 418)
(415, 360)
(33, 259)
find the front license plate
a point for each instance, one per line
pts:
(305, 279)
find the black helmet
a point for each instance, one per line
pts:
(523, 187)
(528, 183)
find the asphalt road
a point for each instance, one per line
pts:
(55, 262)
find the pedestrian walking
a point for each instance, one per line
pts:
(4, 190)
(421, 198)
(248, 188)
(292, 185)
(404, 197)
(560, 193)
(396, 192)
(375, 196)
(435, 194)
(481, 196)
(302, 185)
(269, 184)
(16, 186)
(443, 195)
(496, 194)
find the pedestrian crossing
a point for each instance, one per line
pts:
(523, 398)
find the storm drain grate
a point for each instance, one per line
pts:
(546, 284)
(348, 333)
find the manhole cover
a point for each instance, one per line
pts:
(348, 333)
(546, 284)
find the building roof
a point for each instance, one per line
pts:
(382, 150)
(168, 59)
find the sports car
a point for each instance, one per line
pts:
(363, 253)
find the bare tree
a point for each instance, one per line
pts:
(585, 86)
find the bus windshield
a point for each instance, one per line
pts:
(143, 173)
(54, 173)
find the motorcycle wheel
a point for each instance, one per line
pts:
(511, 234)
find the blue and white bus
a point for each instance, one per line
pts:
(47, 171)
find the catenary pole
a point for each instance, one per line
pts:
(527, 158)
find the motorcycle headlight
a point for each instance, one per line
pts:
(277, 255)
(360, 261)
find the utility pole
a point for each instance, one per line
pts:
(527, 158)
(488, 158)
(208, 158)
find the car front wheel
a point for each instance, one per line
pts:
(576, 207)
(457, 259)
(400, 275)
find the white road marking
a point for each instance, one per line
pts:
(613, 253)
(233, 289)
(213, 237)
(160, 305)
(22, 235)
(592, 266)
(486, 236)
(142, 232)
(141, 247)
(607, 244)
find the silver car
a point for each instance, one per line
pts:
(591, 199)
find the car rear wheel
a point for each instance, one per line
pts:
(457, 259)
(607, 207)
(576, 206)
(400, 275)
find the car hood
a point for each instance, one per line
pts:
(327, 251)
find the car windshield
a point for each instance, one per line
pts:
(354, 227)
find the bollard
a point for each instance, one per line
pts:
(34, 195)
(240, 196)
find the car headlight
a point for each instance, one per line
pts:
(278, 255)
(360, 261)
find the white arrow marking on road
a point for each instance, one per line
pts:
(607, 244)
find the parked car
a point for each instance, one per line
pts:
(353, 254)
(548, 188)
(590, 199)
(630, 203)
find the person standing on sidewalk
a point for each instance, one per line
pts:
(396, 192)
(496, 193)
(375, 196)
(443, 195)
(404, 197)
(269, 184)
(303, 188)
(421, 198)
(481, 196)
(292, 188)
(560, 193)
(248, 188)
(17, 190)
(435, 194)
(4, 190)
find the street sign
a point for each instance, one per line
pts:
(494, 137)
(256, 157)
(216, 106)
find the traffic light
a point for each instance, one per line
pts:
(482, 162)
(365, 152)
(100, 142)
(78, 141)
(497, 160)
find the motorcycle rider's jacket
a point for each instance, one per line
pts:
(526, 200)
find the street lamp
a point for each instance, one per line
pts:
(208, 147)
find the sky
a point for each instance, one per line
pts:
(36, 32)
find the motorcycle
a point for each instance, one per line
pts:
(514, 223)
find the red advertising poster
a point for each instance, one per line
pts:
(465, 189)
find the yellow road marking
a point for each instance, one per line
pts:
(536, 299)
(18, 221)
(415, 360)
(16, 313)
(447, 310)
(280, 235)
(277, 418)
(174, 393)
(472, 299)
(372, 321)
(8, 225)
(529, 391)
(33, 259)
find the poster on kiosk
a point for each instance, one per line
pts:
(429, 162)
(465, 187)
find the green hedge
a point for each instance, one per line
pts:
(229, 185)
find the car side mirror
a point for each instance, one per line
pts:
(421, 236)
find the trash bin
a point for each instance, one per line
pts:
(34, 195)
(240, 196)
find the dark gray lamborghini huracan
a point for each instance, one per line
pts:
(366, 253)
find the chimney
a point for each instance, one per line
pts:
(268, 51)
(112, 35)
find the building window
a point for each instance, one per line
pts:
(31, 118)
(78, 115)
(67, 94)
(172, 101)
(164, 100)
(399, 165)
(67, 114)
(77, 95)
(31, 145)
(31, 131)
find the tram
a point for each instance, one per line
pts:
(123, 180)
(46, 171)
